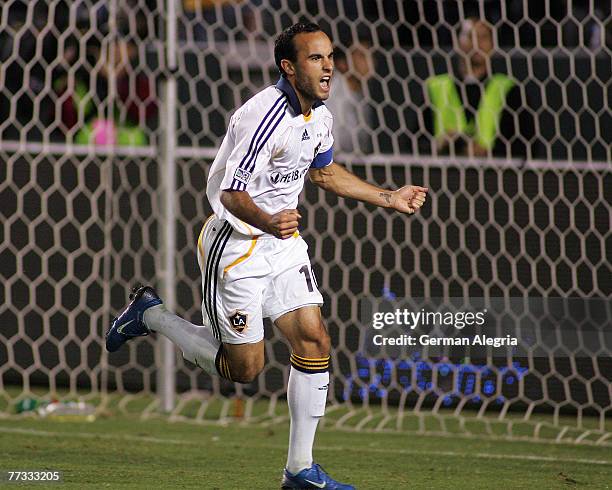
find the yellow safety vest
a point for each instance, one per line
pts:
(449, 114)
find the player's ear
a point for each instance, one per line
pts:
(288, 67)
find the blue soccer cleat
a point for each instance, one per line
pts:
(313, 477)
(131, 323)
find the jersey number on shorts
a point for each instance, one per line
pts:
(309, 275)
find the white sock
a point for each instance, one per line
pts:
(306, 395)
(196, 341)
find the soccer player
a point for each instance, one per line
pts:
(253, 260)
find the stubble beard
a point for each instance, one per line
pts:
(304, 86)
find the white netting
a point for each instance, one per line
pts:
(81, 214)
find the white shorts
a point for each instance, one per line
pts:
(246, 279)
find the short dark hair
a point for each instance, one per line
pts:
(284, 47)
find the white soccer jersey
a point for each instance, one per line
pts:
(267, 151)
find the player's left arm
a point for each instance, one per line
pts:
(337, 179)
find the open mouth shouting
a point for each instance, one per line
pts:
(325, 83)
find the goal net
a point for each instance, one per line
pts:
(528, 221)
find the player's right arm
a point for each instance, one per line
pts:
(252, 133)
(282, 224)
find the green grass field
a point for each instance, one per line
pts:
(128, 452)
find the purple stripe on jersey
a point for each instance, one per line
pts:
(238, 185)
(323, 159)
(258, 128)
(252, 167)
(253, 157)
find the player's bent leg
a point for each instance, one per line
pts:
(130, 323)
(197, 342)
(146, 313)
(244, 361)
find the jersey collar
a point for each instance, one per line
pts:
(284, 86)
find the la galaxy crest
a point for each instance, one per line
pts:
(238, 321)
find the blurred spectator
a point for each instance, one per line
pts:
(348, 100)
(86, 105)
(473, 111)
(27, 48)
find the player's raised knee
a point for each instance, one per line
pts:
(246, 373)
(241, 363)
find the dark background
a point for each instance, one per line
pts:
(485, 232)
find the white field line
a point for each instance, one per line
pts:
(369, 450)
(485, 437)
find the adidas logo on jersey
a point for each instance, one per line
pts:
(305, 136)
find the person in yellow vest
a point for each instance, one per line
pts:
(475, 112)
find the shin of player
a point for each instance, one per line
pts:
(308, 381)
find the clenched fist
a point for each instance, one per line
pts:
(409, 198)
(284, 223)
